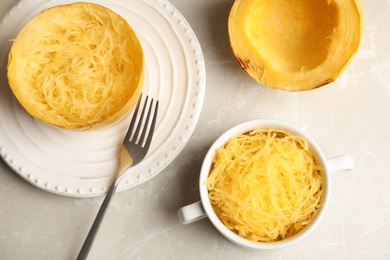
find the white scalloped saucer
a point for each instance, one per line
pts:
(81, 164)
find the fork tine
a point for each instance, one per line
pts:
(141, 118)
(144, 131)
(138, 143)
(151, 132)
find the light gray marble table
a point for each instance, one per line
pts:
(349, 116)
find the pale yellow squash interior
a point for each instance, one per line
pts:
(297, 35)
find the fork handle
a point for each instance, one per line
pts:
(98, 220)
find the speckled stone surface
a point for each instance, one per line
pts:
(349, 116)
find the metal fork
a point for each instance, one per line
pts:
(134, 149)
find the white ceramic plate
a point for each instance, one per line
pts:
(81, 164)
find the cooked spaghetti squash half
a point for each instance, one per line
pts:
(295, 45)
(76, 66)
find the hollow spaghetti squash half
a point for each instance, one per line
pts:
(76, 66)
(295, 45)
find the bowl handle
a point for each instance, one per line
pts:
(340, 163)
(191, 213)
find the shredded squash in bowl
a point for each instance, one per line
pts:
(76, 66)
(265, 185)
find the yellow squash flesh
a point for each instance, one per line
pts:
(76, 66)
(295, 45)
